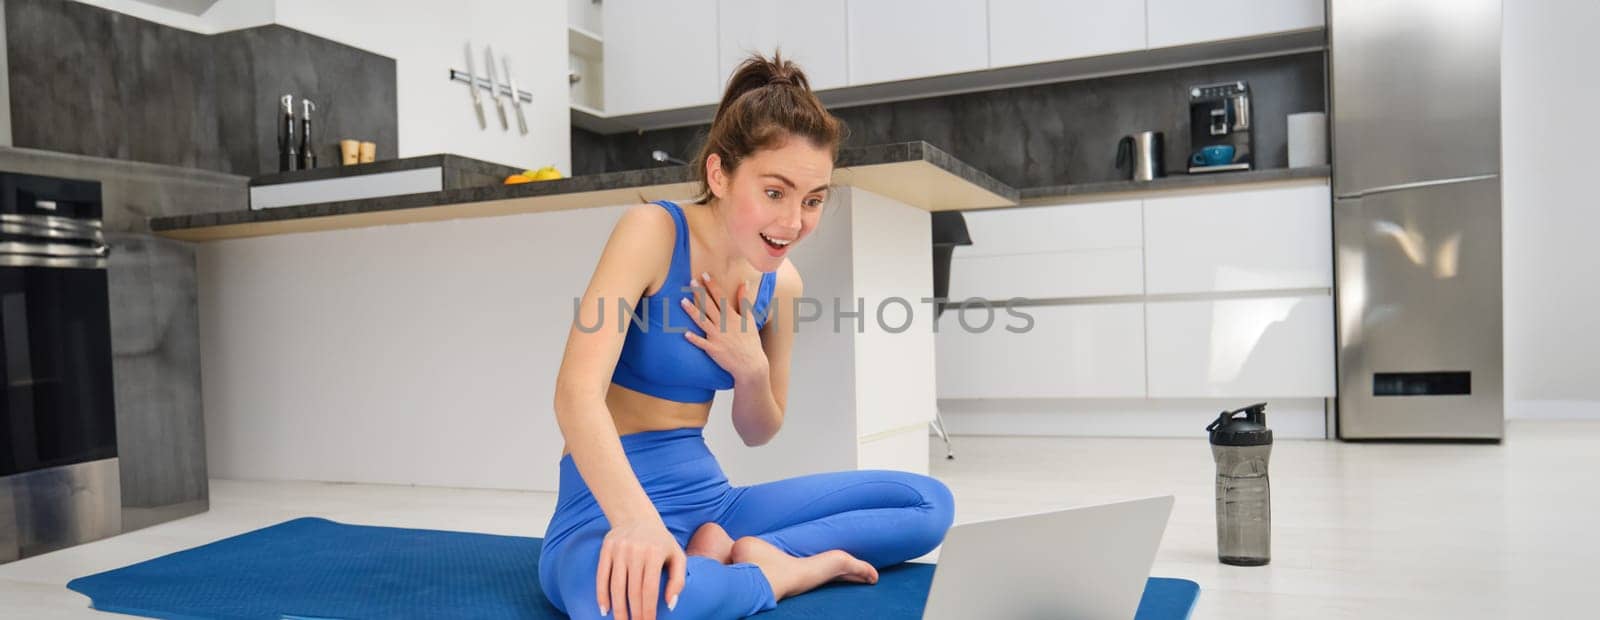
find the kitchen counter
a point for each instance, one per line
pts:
(915, 173)
(1109, 190)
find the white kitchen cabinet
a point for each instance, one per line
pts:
(1053, 228)
(811, 33)
(904, 39)
(1074, 351)
(1050, 275)
(659, 56)
(1275, 347)
(1182, 22)
(1031, 31)
(1081, 250)
(1239, 241)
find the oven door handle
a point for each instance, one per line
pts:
(53, 221)
(53, 255)
(52, 262)
(13, 246)
(30, 229)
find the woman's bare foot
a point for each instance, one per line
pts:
(789, 575)
(711, 541)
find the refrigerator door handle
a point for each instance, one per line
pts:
(1419, 184)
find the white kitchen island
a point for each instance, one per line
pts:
(415, 339)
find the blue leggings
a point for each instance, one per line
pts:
(881, 517)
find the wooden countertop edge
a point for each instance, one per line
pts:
(918, 183)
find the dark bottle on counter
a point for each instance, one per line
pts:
(287, 158)
(308, 153)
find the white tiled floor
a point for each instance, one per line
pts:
(1360, 530)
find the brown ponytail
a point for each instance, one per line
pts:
(766, 102)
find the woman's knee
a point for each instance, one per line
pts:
(717, 591)
(936, 498)
(934, 513)
(567, 568)
(939, 508)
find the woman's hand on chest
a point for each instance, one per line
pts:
(732, 336)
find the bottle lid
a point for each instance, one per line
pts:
(1248, 430)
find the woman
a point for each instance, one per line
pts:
(646, 524)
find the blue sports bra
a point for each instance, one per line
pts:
(656, 358)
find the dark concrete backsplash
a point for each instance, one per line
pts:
(354, 91)
(88, 81)
(94, 82)
(1032, 136)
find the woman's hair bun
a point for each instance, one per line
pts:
(752, 116)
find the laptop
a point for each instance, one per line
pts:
(1089, 562)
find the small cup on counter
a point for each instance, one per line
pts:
(349, 152)
(369, 152)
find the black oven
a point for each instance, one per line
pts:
(55, 333)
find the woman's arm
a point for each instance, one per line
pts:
(633, 553)
(623, 273)
(759, 401)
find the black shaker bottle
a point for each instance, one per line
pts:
(1241, 447)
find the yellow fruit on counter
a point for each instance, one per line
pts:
(547, 173)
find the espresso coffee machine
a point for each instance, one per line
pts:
(1221, 135)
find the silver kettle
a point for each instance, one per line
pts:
(1140, 156)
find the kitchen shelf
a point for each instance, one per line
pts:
(584, 43)
(586, 62)
(594, 120)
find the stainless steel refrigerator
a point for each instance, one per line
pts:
(1415, 116)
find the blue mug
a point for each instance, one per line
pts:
(1214, 155)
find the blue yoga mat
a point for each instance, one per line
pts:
(313, 568)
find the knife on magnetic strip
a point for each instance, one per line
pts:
(516, 96)
(494, 86)
(472, 83)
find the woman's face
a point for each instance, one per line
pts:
(773, 199)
